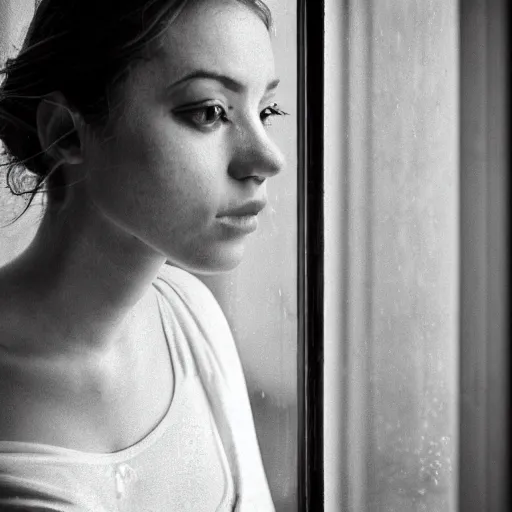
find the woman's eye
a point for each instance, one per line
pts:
(269, 112)
(205, 116)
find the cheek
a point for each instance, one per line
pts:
(149, 177)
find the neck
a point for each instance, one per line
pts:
(88, 278)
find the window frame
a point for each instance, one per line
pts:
(310, 149)
(484, 237)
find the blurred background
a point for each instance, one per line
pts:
(259, 298)
(392, 176)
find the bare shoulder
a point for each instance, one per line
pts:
(18, 402)
(21, 374)
(32, 398)
(17, 307)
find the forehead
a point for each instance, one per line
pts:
(221, 35)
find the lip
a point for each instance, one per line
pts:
(251, 208)
(243, 224)
(242, 219)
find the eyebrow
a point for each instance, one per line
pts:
(226, 81)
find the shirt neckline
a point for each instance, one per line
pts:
(63, 454)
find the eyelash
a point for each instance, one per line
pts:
(197, 115)
(272, 111)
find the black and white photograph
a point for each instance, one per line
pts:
(254, 256)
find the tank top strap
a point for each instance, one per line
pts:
(182, 360)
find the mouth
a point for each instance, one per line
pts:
(243, 224)
(243, 218)
(250, 208)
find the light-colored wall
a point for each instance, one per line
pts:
(15, 17)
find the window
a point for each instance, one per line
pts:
(415, 256)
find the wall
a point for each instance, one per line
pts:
(15, 17)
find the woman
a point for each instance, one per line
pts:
(120, 387)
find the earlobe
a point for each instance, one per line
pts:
(58, 128)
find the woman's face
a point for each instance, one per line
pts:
(186, 169)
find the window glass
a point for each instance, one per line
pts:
(397, 252)
(413, 367)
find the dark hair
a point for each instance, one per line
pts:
(83, 49)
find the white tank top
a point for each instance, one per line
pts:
(179, 466)
(202, 456)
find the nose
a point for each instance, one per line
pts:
(255, 155)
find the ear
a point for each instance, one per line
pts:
(58, 128)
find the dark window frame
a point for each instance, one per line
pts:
(484, 446)
(310, 55)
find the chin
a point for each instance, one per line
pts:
(210, 264)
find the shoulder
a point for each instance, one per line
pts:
(201, 318)
(187, 284)
(219, 365)
(189, 296)
(20, 311)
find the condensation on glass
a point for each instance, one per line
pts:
(415, 269)
(398, 365)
